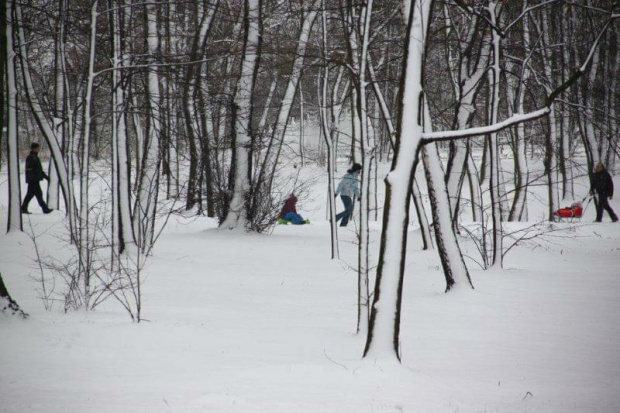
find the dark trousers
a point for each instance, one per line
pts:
(604, 205)
(34, 190)
(348, 211)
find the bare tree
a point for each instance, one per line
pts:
(7, 304)
(14, 222)
(242, 117)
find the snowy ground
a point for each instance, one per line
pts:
(265, 323)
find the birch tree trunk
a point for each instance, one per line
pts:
(425, 231)
(566, 166)
(146, 204)
(590, 142)
(515, 92)
(53, 185)
(328, 136)
(493, 153)
(368, 153)
(329, 123)
(552, 138)
(268, 168)
(242, 117)
(44, 125)
(454, 268)
(351, 24)
(384, 326)
(83, 220)
(189, 93)
(470, 69)
(122, 220)
(14, 222)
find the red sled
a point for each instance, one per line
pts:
(574, 211)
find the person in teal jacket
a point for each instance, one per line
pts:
(349, 191)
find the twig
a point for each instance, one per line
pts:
(335, 362)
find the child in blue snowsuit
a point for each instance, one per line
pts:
(349, 190)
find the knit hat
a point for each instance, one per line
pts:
(356, 167)
(34, 145)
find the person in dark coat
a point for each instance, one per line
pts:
(604, 187)
(34, 175)
(289, 212)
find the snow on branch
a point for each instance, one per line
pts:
(479, 11)
(518, 118)
(484, 130)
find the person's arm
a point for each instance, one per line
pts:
(30, 163)
(611, 186)
(40, 172)
(340, 187)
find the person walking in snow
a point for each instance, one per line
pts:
(349, 190)
(289, 212)
(34, 175)
(604, 187)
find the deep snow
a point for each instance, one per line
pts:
(265, 323)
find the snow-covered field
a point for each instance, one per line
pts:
(266, 323)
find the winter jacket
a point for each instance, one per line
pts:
(34, 170)
(289, 206)
(349, 186)
(602, 183)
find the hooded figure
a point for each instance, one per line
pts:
(604, 187)
(34, 175)
(349, 190)
(289, 212)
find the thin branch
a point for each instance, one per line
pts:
(483, 130)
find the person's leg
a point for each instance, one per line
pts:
(296, 219)
(30, 193)
(343, 213)
(39, 195)
(348, 210)
(599, 209)
(603, 200)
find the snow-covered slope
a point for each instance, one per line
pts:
(265, 323)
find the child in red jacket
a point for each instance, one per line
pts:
(289, 212)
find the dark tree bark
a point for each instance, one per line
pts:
(7, 304)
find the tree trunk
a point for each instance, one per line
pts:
(14, 222)
(272, 154)
(384, 327)
(44, 126)
(53, 186)
(120, 165)
(7, 304)
(454, 268)
(242, 117)
(367, 145)
(146, 204)
(470, 73)
(515, 92)
(551, 138)
(494, 171)
(189, 111)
